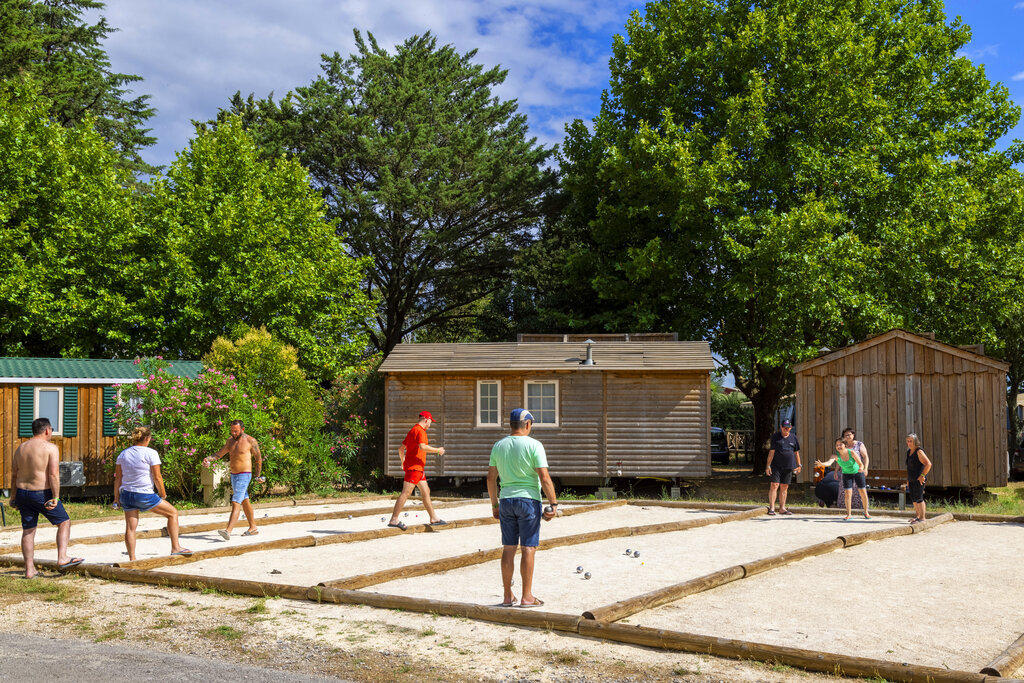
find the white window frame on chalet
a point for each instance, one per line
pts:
(58, 428)
(537, 423)
(479, 403)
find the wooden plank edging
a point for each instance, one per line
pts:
(229, 551)
(810, 660)
(1008, 661)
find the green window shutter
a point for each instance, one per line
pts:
(109, 403)
(26, 409)
(70, 411)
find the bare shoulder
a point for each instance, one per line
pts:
(252, 440)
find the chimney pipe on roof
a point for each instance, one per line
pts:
(589, 360)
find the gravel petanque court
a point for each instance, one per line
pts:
(941, 598)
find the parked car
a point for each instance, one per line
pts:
(719, 447)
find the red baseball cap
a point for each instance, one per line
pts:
(426, 414)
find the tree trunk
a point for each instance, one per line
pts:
(765, 388)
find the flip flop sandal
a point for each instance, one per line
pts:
(223, 534)
(73, 562)
(509, 604)
(439, 522)
(254, 532)
(398, 525)
(772, 513)
(184, 552)
(536, 603)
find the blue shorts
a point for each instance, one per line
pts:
(132, 500)
(240, 486)
(520, 521)
(30, 505)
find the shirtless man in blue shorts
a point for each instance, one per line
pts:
(35, 490)
(240, 449)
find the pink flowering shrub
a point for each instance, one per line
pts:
(189, 419)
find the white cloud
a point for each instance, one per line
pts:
(1018, 76)
(979, 53)
(1019, 5)
(194, 54)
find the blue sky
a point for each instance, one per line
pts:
(193, 54)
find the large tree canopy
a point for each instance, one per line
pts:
(774, 177)
(231, 239)
(66, 235)
(47, 41)
(429, 174)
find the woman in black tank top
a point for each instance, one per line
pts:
(918, 465)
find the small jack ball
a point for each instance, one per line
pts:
(587, 575)
(636, 553)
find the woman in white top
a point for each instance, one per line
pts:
(135, 477)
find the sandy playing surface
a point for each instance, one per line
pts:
(945, 597)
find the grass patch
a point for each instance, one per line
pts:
(114, 634)
(225, 632)
(427, 632)
(566, 658)
(258, 607)
(508, 646)
(177, 603)
(46, 589)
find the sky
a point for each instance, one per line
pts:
(194, 54)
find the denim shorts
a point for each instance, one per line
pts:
(240, 486)
(132, 500)
(31, 504)
(520, 521)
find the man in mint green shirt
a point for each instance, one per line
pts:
(521, 464)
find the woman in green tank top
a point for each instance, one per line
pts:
(853, 475)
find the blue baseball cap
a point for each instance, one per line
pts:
(520, 415)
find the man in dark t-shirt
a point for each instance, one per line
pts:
(783, 462)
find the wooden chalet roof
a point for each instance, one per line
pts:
(898, 333)
(504, 356)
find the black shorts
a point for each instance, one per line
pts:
(916, 491)
(781, 476)
(857, 479)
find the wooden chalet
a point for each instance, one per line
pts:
(642, 408)
(74, 393)
(887, 386)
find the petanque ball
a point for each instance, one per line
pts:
(579, 570)
(587, 576)
(636, 553)
(628, 551)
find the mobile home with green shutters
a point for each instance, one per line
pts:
(75, 394)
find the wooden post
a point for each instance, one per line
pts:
(763, 565)
(630, 606)
(929, 523)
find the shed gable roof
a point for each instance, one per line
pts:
(18, 369)
(899, 333)
(503, 356)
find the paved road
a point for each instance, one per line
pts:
(34, 659)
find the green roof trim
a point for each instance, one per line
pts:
(87, 368)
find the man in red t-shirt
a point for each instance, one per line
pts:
(413, 452)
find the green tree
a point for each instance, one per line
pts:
(233, 240)
(268, 371)
(430, 175)
(48, 41)
(774, 177)
(67, 271)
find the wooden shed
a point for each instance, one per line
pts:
(887, 386)
(641, 409)
(74, 393)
